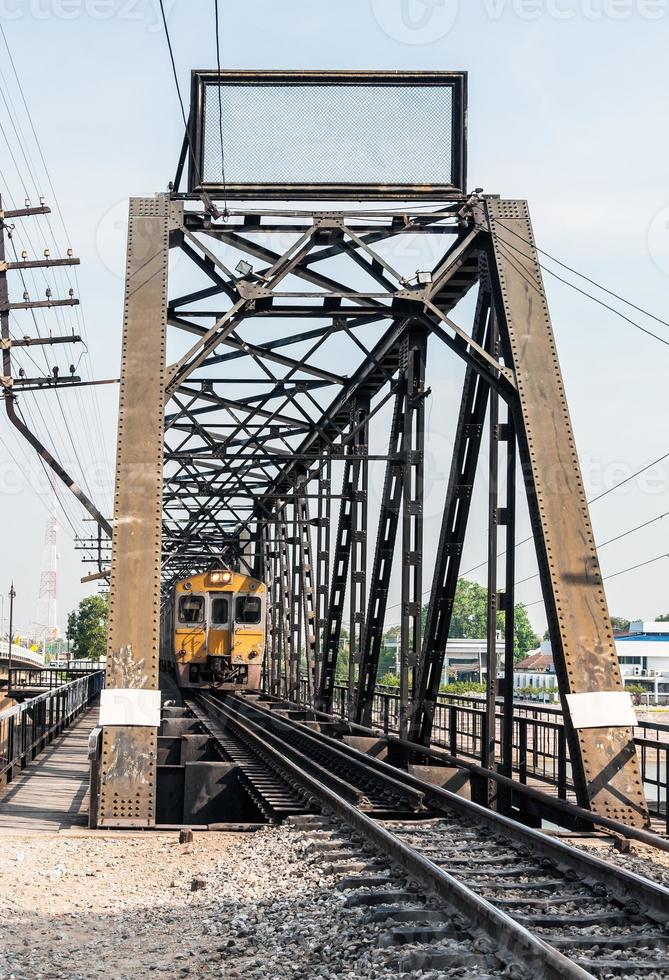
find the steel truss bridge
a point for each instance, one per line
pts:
(275, 348)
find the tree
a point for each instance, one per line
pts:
(664, 618)
(87, 628)
(469, 620)
(525, 637)
(343, 657)
(389, 649)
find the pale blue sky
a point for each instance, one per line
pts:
(568, 108)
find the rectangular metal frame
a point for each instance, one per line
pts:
(457, 81)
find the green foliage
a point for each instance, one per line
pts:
(525, 637)
(343, 657)
(469, 621)
(636, 689)
(463, 687)
(87, 628)
(388, 680)
(664, 618)
(388, 657)
(529, 690)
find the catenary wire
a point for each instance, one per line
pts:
(583, 292)
(220, 106)
(622, 571)
(593, 282)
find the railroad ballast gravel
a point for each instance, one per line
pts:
(122, 907)
(259, 906)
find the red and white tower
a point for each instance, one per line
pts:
(46, 626)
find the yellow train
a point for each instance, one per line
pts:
(213, 630)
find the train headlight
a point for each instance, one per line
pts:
(220, 578)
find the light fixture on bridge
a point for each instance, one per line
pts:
(424, 278)
(244, 268)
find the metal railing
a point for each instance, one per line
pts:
(540, 750)
(20, 653)
(22, 679)
(26, 729)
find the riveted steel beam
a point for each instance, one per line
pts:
(604, 762)
(128, 764)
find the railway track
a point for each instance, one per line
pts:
(485, 883)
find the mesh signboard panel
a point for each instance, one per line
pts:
(329, 134)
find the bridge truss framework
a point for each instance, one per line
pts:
(253, 447)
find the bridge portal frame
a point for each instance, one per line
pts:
(234, 466)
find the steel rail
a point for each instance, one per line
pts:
(545, 962)
(626, 884)
(566, 808)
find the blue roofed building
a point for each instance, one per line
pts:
(643, 652)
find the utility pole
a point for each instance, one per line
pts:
(10, 385)
(12, 596)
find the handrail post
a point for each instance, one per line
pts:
(522, 749)
(666, 786)
(10, 749)
(453, 728)
(562, 763)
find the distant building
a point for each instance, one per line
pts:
(467, 660)
(537, 670)
(643, 654)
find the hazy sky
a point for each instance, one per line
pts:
(567, 107)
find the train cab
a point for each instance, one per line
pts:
(215, 624)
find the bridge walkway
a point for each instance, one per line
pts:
(51, 793)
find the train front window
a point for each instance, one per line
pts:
(220, 611)
(191, 609)
(247, 610)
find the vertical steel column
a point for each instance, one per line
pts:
(260, 567)
(358, 588)
(508, 518)
(322, 562)
(412, 521)
(467, 445)
(383, 561)
(308, 593)
(342, 553)
(266, 566)
(488, 745)
(296, 603)
(604, 760)
(128, 766)
(287, 636)
(276, 609)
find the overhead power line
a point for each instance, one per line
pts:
(584, 292)
(220, 106)
(623, 571)
(210, 207)
(593, 282)
(592, 500)
(603, 544)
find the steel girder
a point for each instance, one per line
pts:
(264, 415)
